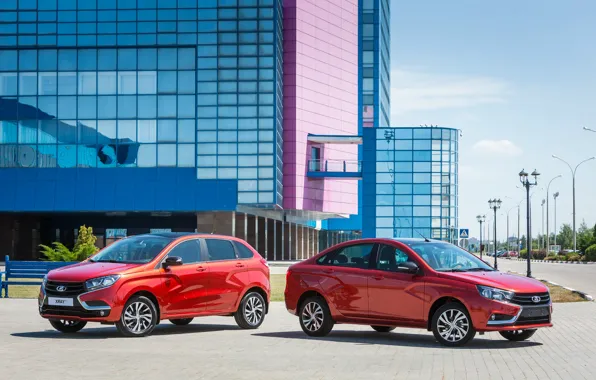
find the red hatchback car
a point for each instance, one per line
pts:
(418, 283)
(138, 281)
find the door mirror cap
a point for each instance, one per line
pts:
(172, 261)
(408, 267)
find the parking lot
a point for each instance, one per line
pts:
(214, 348)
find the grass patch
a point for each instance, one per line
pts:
(278, 285)
(560, 294)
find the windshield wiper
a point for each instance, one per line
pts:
(110, 261)
(453, 270)
(481, 270)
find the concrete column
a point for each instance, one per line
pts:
(274, 240)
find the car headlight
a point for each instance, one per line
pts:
(495, 294)
(101, 282)
(44, 281)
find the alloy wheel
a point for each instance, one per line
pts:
(453, 325)
(253, 310)
(312, 316)
(138, 317)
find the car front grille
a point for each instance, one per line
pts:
(528, 299)
(67, 289)
(534, 315)
(76, 311)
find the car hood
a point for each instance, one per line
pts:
(87, 270)
(501, 280)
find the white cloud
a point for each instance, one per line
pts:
(415, 90)
(500, 147)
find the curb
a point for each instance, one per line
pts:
(584, 295)
(557, 262)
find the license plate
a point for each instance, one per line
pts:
(536, 312)
(53, 301)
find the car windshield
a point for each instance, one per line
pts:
(137, 249)
(446, 257)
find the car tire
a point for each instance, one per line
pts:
(452, 326)
(182, 321)
(251, 312)
(383, 329)
(517, 335)
(315, 317)
(67, 326)
(139, 317)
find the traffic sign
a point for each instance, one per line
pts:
(464, 233)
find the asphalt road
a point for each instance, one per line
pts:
(214, 348)
(577, 276)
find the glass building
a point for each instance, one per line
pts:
(410, 183)
(239, 117)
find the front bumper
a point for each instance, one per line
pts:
(89, 306)
(499, 316)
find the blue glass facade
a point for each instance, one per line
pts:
(410, 181)
(145, 84)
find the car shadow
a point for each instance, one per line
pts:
(397, 339)
(164, 328)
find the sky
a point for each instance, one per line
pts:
(519, 79)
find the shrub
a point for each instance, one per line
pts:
(523, 254)
(561, 257)
(84, 248)
(550, 258)
(573, 257)
(591, 253)
(539, 255)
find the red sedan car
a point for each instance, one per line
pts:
(138, 281)
(418, 283)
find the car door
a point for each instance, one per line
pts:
(343, 275)
(395, 294)
(228, 276)
(186, 284)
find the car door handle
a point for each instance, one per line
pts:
(239, 265)
(201, 269)
(378, 277)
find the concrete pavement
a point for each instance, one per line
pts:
(214, 348)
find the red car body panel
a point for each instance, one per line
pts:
(191, 290)
(402, 299)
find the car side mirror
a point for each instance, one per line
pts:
(172, 261)
(408, 267)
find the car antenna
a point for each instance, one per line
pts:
(424, 237)
(415, 230)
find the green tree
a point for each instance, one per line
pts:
(565, 237)
(84, 247)
(585, 237)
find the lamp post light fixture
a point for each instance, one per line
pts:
(573, 171)
(524, 178)
(547, 208)
(481, 219)
(555, 196)
(495, 204)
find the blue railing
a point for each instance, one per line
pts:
(339, 168)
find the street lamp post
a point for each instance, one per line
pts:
(481, 219)
(495, 204)
(555, 196)
(542, 226)
(573, 171)
(525, 181)
(509, 244)
(547, 208)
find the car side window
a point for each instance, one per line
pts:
(243, 251)
(353, 256)
(219, 249)
(390, 257)
(189, 251)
